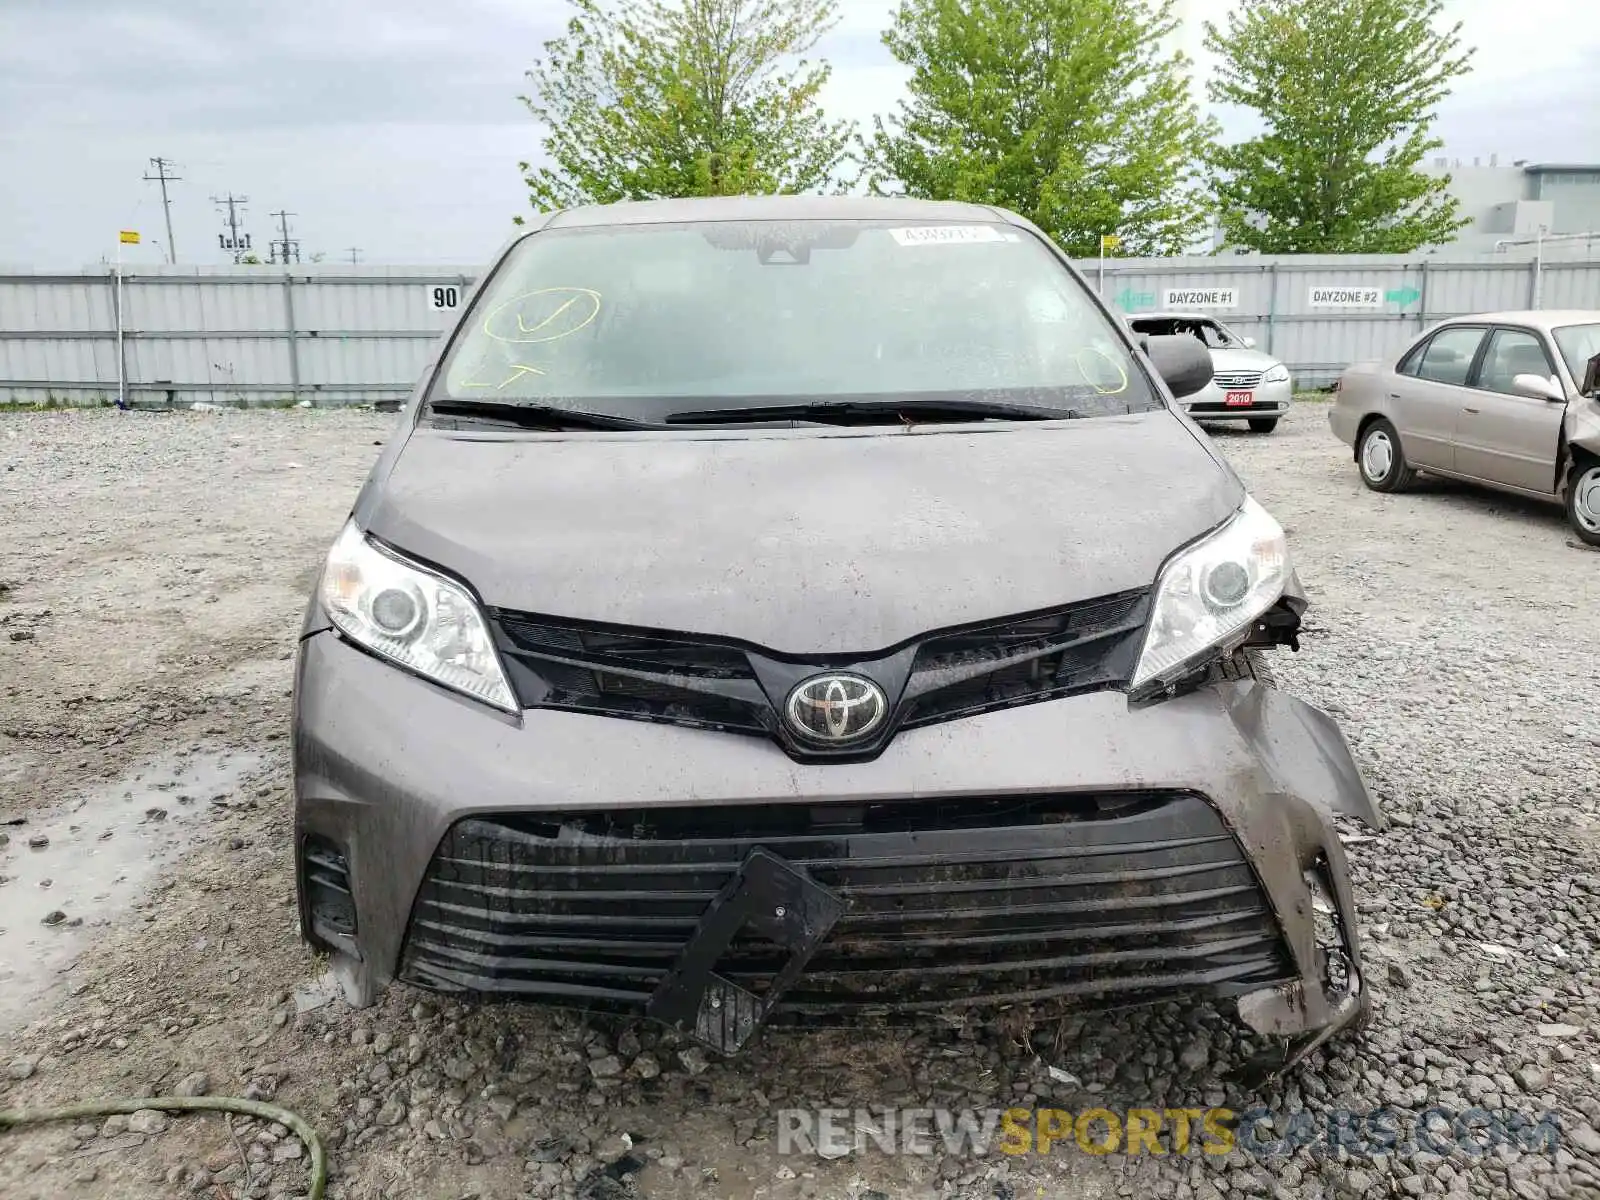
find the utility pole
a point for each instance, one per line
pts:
(355, 254)
(232, 241)
(162, 166)
(285, 246)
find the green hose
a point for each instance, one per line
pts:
(14, 1118)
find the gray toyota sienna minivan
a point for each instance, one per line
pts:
(815, 610)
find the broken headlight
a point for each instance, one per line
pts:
(413, 617)
(1210, 592)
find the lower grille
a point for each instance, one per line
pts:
(1120, 897)
(326, 881)
(1212, 406)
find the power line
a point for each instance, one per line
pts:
(355, 254)
(162, 165)
(284, 247)
(232, 241)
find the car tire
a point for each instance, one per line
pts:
(1583, 499)
(1380, 459)
(1263, 424)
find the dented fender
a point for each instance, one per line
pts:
(1579, 427)
(1302, 749)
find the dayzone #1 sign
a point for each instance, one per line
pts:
(1199, 298)
(1346, 297)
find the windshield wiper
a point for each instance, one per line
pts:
(536, 416)
(861, 412)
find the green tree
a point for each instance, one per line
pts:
(644, 99)
(1346, 91)
(1069, 112)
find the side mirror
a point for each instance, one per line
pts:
(1591, 378)
(1538, 387)
(1182, 361)
(1249, 343)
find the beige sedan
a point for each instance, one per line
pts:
(1509, 400)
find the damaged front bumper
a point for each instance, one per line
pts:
(1076, 851)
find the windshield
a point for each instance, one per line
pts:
(1578, 344)
(642, 321)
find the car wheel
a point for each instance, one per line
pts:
(1583, 500)
(1378, 454)
(1263, 424)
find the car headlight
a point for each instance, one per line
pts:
(1277, 374)
(1212, 591)
(412, 617)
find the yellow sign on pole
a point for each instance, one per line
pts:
(1109, 241)
(129, 237)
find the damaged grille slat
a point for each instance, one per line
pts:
(574, 886)
(738, 847)
(999, 900)
(821, 973)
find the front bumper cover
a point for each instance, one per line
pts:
(1269, 400)
(389, 768)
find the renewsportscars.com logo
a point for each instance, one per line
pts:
(836, 1132)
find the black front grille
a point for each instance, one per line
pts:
(1083, 648)
(687, 679)
(1118, 897)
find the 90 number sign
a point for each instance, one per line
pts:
(444, 297)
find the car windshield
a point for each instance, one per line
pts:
(1578, 344)
(645, 321)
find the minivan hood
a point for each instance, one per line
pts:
(806, 541)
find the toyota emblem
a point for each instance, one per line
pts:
(836, 708)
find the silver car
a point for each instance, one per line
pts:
(1246, 385)
(815, 609)
(1509, 400)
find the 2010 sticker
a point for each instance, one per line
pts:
(945, 235)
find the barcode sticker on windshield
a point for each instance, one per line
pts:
(945, 235)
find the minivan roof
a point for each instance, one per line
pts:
(774, 208)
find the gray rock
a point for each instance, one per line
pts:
(694, 1060)
(392, 1113)
(196, 1084)
(1195, 1055)
(1585, 1138)
(147, 1121)
(1399, 977)
(115, 1126)
(606, 1067)
(22, 1068)
(1531, 1078)
(646, 1066)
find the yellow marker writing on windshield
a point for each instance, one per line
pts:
(578, 309)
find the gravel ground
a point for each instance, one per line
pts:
(152, 572)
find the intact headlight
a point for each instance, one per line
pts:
(412, 617)
(1277, 374)
(1212, 591)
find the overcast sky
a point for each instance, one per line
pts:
(394, 127)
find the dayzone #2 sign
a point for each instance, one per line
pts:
(1199, 298)
(1346, 297)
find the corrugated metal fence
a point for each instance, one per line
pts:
(343, 335)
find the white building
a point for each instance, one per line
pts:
(1524, 201)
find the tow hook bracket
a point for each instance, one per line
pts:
(781, 903)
